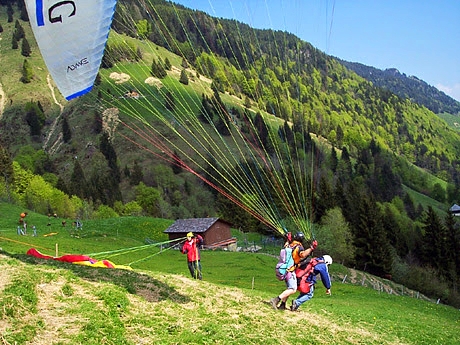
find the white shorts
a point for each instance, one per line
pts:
(291, 281)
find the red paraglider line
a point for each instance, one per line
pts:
(262, 156)
(178, 162)
(24, 243)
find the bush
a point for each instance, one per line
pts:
(426, 280)
(132, 208)
(105, 212)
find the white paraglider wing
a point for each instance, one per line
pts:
(71, 36)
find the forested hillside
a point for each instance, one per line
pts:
(405, 86)
(359, 158)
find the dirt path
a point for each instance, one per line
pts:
(2, 101)
(55, 146)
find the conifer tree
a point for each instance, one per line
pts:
(25, 48)
(247, 102)
(206, 112)
(35, 118)
(170, 102)
(6, 169)
(409, 206)
(325, 198)
(157, 69)
(394, 232)
(333, 160)
(127, 172)
(339, 135)
(19, 30)
(168, 65)
(372, 246)
(432, 246)
(183, 77)
(78, 185)
(451, 269)
(221, 125)
(14, 43)
(176, 165)
(61, 185)
(217, 103)
(136, 176)
(104, 188)
(344, 167)
(261, 128)
(27, 72)
(341, 199)
(220, 109)
(97, 123)
(10, 12)
(384, 183)
(109, 153)
(97, 184)
(24, 15)
(66, 132)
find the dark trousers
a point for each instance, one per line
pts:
(195, 269)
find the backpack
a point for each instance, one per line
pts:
(285, 262)
(302, 274)
(296, 253)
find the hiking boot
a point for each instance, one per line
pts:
(274, 302)
(282, 306)
(294, 306)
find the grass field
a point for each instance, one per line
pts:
(49, 302)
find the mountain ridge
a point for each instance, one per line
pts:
(410, 87)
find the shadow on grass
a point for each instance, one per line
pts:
(143, 285)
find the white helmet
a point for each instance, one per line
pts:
(327, 259)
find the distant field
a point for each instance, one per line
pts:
(452, 120)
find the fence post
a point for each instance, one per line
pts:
(344, 278)
(252, 283)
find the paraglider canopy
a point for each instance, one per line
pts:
(71, 36)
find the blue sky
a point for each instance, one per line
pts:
(418, 37)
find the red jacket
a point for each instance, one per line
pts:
(190, 248)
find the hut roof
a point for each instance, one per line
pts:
(455, 208)
(195, 225)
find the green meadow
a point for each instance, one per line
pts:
(156, 302)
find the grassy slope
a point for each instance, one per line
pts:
(71, 305)
(11, 62)
(158, 303)
(452, 120)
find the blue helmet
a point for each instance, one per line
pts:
(300, 237)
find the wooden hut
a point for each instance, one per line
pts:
(215, 232)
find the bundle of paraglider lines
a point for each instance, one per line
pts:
(89, 260)
(72, 37)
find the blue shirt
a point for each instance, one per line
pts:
(322, 270)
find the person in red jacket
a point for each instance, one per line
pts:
(191, 247)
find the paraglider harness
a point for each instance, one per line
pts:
(286, 262)
(304, 272)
